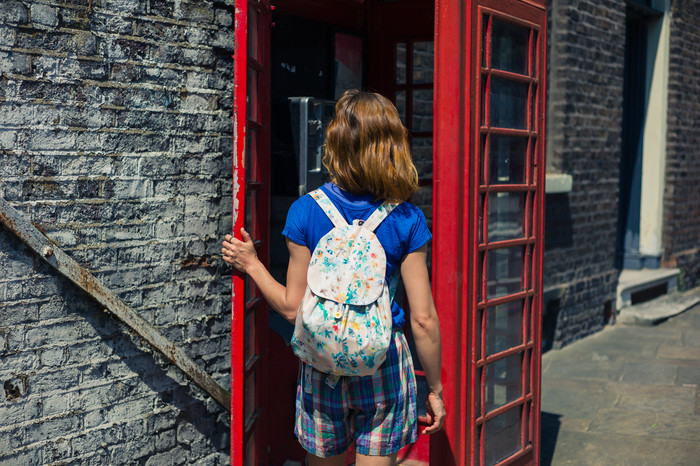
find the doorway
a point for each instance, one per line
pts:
(305, 55)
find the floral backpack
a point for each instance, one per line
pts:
(344, 322)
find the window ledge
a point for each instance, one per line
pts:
(557, 183)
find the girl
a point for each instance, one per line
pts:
(369, 160)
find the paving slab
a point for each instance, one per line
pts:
(649, 372)
(641, 423)
(579, 403)
(658, 403)
(644, 390)
(690, 339)
(679, 352)
(688, 376)
(627, 395)
(592, 449)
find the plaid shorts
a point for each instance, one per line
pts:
(377, 412)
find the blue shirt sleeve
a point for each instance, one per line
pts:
(296, 226)
(419, 233)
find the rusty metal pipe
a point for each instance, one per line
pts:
(66, 266)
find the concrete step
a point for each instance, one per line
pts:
(632, 285)
(658, 309)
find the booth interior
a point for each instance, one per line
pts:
(319, 49)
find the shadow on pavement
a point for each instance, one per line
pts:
(549, 426)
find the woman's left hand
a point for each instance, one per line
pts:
(436, 412)
(240, 254)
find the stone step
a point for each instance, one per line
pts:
(632, 284)
(658, 309)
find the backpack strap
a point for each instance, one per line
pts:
(328, 207)
(394, 283)
(379, 215)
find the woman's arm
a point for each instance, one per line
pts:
(425, 327)
(284, 299)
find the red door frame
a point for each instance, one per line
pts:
(451, 118)
(238, 214)
(250, 134)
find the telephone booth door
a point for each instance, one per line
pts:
(251, 194)
(486, 180)
(489, 200)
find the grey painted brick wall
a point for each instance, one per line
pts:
(681, 236)
(585, 93)
(115, 139)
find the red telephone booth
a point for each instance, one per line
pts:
(483, 194)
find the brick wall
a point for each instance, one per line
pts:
(585, 91)
(115, 139)
(681, 235)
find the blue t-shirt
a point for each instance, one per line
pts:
(402, 232)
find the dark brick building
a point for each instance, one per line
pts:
(622, 122)
(681, 193)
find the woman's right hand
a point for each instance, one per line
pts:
(436, 413)
(240, 254)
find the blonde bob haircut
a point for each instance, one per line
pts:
(367, 149)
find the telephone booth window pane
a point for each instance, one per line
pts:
(502, 436)
(251, 155)
(508, 103)
(249, 396)
(505, 216)
(507, 155)
(253, 34)
(485, 92)
(251, 290)
(424, 200)
(505, 272)
(480, 272)
(248, 156)
(252, 91)
(480, 218)
(509, 47)
(533, 55)
(533, 109)
(250, 451)
(480, 314)
(528, 217)
(423, 62)
(422, 152)
(503, 381)
(248, 213)
(401, 63)
(504, 327)
(249, 336)
(477, 395)
(251, 206)
(477, 443)
(401, 105)
(534, 174)
(485, 22)
(422, 120)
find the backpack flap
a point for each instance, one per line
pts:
(348, 266)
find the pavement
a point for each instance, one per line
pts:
(627, 395)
